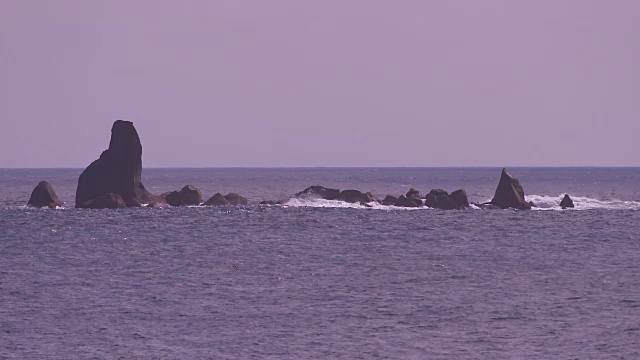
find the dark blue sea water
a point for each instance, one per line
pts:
(324, 280)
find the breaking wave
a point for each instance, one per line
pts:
(322, 203)
(581, 203)
(542, 202)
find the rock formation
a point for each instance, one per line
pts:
(217, 200)
(229, 199)
(105, 201)
(188, 195)
(566, 202)
(414, 194)
(404, 201)
(460, 199)
(322, 192)
(236, 199)
(44, 195)
(389, 200)
(118, 171)
(355, 196)
(440, 199)
(509, 193)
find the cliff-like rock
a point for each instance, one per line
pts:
(118, 171)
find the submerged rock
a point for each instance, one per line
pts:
(509, 193)
(44, 195)
(188, 195)
(117, 171)
(322, 192)
(566, 202)
(217, 200)
(236, 199)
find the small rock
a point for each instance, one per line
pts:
(566, 202)
(44, 195)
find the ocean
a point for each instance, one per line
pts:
(318, 279)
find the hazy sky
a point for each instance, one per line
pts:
(322, 83)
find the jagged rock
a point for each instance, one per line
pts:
(322, 192)
(106, 201)
(188, 195)
(217, 200)
(566, 202)
(355, 196)
(509, 193)
(414, 194)
(117, 171)
(389, 200)
(404, 201)
(44, 195)
(236, 199)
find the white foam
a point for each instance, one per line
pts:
(322, 203)
(581, 203)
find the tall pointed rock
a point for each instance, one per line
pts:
(118, 171)
(509, 193)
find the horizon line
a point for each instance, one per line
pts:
(357, 167)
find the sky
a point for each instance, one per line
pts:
(296, 83)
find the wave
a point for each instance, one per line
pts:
(543, 203)
(581, 203)
(322, 203)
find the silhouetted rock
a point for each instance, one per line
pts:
(414, 194)
(460, 199)
(440, 199)
(431, 200)
(509, 193)
(389, 200)
(322, 192)
(188, 195)
(566, 202)
(355, 196)
(437, 192)
(236, 199)
(404, 201)
(106, 201)
(217, 200)
(117, 171)
(44, 195)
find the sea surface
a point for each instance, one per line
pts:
(316, 279)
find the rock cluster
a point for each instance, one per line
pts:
(438, 199)
(115, 181)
